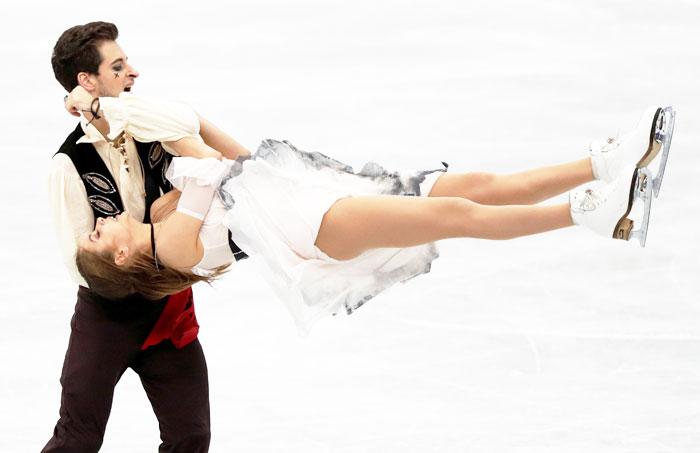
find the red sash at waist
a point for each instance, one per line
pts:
(176, 323)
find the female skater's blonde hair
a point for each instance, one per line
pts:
(139, 276)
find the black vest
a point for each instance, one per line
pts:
(99, 183)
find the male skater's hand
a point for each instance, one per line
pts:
(78, 101)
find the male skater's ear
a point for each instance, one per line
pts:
(87, 81)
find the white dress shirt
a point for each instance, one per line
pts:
(140, 119)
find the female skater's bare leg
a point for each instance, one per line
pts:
(354, 225)
(524, 188)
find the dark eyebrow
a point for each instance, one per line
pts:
(117, 60)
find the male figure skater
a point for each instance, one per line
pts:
(93, 177)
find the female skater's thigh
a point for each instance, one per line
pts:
(356, 224)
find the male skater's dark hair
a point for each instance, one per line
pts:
(76, 51)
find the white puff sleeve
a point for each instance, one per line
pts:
(149, 120)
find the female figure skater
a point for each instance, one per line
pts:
(330, 238)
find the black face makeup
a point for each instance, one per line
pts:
(118, 68)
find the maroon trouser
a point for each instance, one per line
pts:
(105, 340)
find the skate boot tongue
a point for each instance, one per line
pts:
(599, 150)
(602, 208)
(604, 146)
(583, 201)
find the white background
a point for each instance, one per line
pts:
(559, 342)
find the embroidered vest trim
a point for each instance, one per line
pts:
(99, 183)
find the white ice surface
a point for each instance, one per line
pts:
(564, 342)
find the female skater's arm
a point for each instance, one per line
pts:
(177, 240)
(191, 147)
(216, 144)
(221, 141)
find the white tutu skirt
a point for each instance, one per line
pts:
(276, 201)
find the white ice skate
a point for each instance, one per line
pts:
(606, 210)
(639, 147)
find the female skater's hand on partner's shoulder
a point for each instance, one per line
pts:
(78, 101)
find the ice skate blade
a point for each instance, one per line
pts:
(639, 190)
(663, 135)
(654, 144)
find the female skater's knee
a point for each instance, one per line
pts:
(336, 236)
(455, 215)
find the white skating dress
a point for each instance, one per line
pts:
(273, 204)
